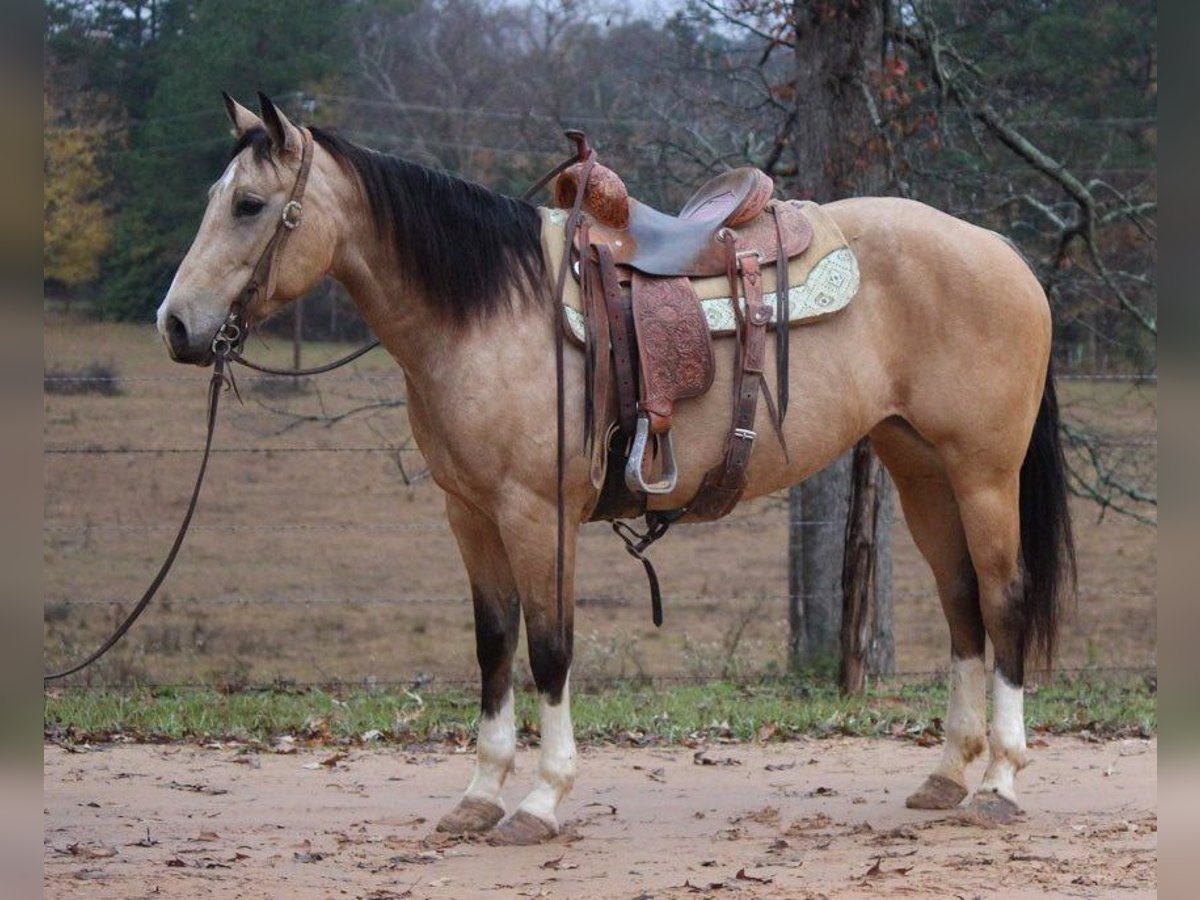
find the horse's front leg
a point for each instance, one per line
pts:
(531, 551)
(497, 627)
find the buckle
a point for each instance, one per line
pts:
(745, 434)
(290, 216)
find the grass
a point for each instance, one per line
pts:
(1103, 706)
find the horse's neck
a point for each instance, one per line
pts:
(402, 321)
(435, 354)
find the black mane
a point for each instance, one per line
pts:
(466, 248)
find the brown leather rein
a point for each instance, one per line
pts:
(227, 345)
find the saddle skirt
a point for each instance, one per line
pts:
(822, 280)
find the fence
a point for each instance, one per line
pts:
(321, 554)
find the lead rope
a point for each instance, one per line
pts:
(216, 384)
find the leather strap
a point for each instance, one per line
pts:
(560, 401)
(723, 484)
(620, 328)
(782, 319)
(261, 285)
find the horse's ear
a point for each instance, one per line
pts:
(284, 135)
(240, 117)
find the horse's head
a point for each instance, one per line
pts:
(249, 210)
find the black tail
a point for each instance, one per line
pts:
(1047, 546)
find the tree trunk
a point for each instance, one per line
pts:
(860, 612)
(836, 50)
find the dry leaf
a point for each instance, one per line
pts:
(742, 876)
(701, 758)
(91, 851)
(612, 810)
(877, 869)
(197, 788)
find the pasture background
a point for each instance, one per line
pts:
(320, 552)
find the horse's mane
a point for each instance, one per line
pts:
(466, 248)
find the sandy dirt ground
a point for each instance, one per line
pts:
(808, 818)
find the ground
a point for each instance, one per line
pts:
(805, 818)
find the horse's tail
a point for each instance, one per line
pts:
(1047, 545)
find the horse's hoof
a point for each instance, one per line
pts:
(471, 816)
(523, 829)
(938, 792)
(990, 809)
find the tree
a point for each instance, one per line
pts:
(832, 140)
(76, 225)
(166, 62)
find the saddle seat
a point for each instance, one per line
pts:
(688, 244)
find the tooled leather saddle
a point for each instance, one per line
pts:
(646, 335)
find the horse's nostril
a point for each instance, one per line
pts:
(177, 334)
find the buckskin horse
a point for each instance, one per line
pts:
(942, 360)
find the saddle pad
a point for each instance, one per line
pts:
(822, 280)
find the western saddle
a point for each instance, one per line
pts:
(643, 323)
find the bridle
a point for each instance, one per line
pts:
(231, 336)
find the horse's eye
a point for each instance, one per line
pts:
(248, 206)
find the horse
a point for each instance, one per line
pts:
(942, 361)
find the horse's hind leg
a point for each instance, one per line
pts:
(931, 511)
(497, 627)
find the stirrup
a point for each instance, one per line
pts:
(634, 480)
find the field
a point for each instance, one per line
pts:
(320, 551)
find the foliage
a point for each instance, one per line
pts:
(166, 62)
(76, 224)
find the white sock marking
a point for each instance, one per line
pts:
(556, 763)
(1007, 739)
(966, 728)
(496, 748)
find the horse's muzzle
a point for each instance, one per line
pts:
(184, 347)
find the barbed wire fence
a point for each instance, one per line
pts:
(433, 642)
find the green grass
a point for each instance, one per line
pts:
(1104, 706)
